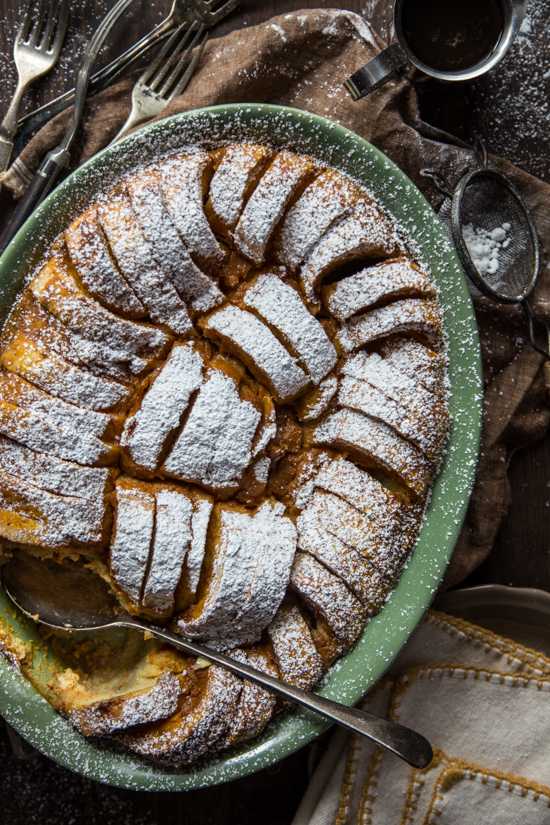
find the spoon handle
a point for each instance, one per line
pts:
(404, 742)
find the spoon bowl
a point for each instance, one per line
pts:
(66, 596)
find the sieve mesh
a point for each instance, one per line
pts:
(486, 204)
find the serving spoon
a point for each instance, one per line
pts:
(71, 597)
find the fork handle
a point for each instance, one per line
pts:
(39, 187)
(9, 126)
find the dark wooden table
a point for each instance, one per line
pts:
(36, 791)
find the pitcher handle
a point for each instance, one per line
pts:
(376, 72)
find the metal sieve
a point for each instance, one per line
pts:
(481, 204)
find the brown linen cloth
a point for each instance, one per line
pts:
(302, 60)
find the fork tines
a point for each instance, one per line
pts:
(175, 63)
(211, 11)
(43, 26)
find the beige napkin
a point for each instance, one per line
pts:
(483, 702)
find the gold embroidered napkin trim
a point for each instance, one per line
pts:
(456, 771)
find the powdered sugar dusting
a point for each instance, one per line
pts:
(215, 445)
(267, 204)
(182, 190)
(158, 702)
(387, 280)
(96, 269)
(328, 595)
(161, 409)
(200, 518)
(231, 180)
(167, 247)
(412, 315)
(30, 515)
(251, 567)
(135, 516)
(366, 232)
(282, 308)
(329, 197)
(299, 662)
(377, 443)
(134, 256)
(260, 349)
(171, 541)
(58, 292)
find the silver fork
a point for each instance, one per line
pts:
(159, 84)
(205, 12)
(35, 52)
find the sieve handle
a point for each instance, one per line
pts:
(533, 319)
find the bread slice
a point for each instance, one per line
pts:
(200, 519)
(170, 545)
(366, 233)
(32, 516)
(32, 320)
(387, 281)
(417, 362)
(317, 401)
(57, 289)
(370, 385)
(35, 431)
(256, 705)
(360, 489)
(375, 444)
(135, 258)
(281, 182)
(296, 655)
(327, 595)
(171, 256)
(327, 199)
(32, 361)
(47, 472)
(215, 446)
(91, 257)
(131, 540)
(244, 335)
(369, 534)
(274, 536)
(227, 574)
(15, 390)
(103, 717)
(184, 186)
(282, 309)
(361, 577)
(245, 576)
(165, 577)
(390, 513)
(417, 316)
(233, 182)
(147, 432)
(203, 718)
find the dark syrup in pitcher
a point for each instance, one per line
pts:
(451, 35)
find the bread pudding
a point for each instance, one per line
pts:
(223, 391)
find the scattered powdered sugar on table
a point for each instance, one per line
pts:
(510, 104)
(484, 246)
